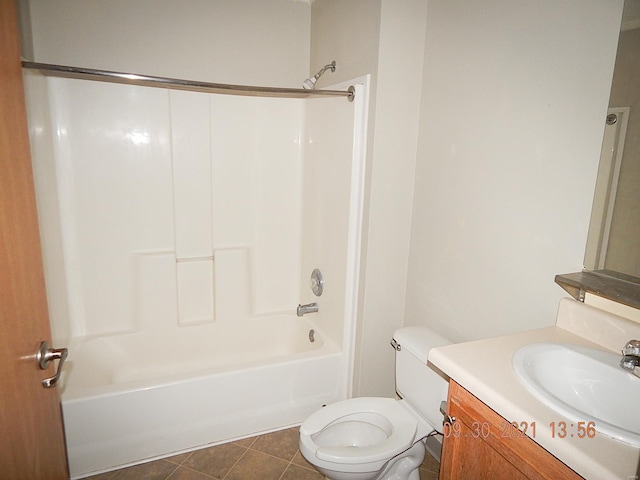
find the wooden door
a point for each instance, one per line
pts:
(32, 441)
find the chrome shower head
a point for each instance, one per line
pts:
(310, 83)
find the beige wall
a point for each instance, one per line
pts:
(623, 253)
(395, 135)
(502, 186)
(386, 41)
(511, 124)
(347, 32)
(496, 106)
(248, 42)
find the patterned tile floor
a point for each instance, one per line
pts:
(273, 456)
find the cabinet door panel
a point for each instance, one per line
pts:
(481, 444)
(466, 456)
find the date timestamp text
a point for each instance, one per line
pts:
(559, 429)
(570, 430)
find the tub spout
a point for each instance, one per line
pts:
(308, 308)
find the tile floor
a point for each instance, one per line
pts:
(273, 456)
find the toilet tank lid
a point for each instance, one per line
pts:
(419, 340)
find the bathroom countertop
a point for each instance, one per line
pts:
(484, 368)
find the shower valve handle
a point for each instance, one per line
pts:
(44, 355)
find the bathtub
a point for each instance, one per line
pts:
(131, 397)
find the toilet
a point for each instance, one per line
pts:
(373, 438)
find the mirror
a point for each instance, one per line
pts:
(613, 243)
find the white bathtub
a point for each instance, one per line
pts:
(128, 398)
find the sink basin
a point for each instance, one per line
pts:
(583, 385)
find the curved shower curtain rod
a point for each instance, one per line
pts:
(178, 84)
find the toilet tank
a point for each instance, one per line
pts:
(417, 383)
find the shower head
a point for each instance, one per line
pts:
(310, 83)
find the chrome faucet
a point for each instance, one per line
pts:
(631, 357)
(308, 308)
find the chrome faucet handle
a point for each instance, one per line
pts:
(632, 348)
(630, 362)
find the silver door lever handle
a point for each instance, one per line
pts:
(44, 355)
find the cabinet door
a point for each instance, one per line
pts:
(480, 444)
(466, 456)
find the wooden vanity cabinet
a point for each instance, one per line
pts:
(480, 444)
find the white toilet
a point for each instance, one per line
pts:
(373, 438)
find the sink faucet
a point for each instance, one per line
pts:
(631, 357)
(308, 308)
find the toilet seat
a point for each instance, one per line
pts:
(381, 414)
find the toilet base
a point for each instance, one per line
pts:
(403, 466)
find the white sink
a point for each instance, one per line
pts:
(583, 385)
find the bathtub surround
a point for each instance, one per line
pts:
(179, 232)
(152, 185)
(185, 208)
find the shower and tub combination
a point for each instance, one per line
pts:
(201, 253)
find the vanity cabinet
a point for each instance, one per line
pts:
(480, 444)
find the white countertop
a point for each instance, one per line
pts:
(484, 368)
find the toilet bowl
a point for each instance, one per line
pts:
(355, 438)
(372, 438)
